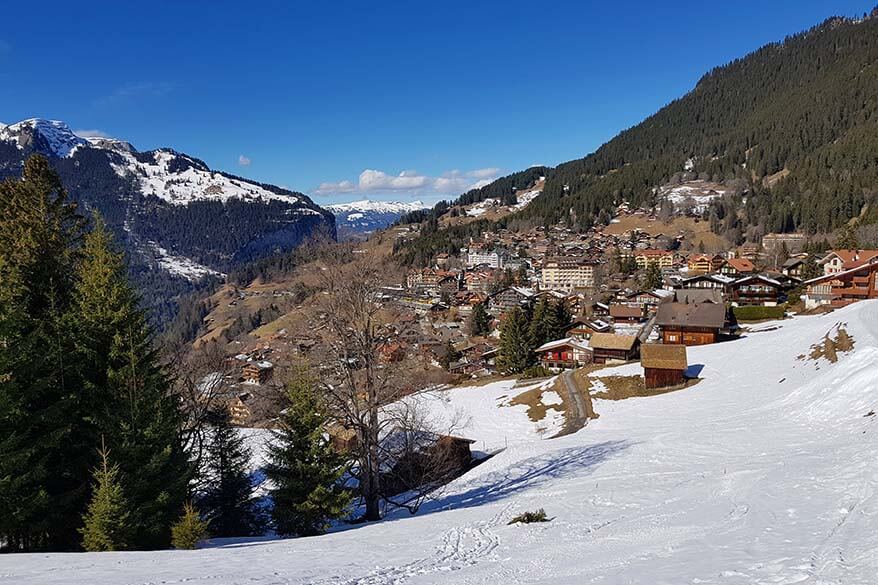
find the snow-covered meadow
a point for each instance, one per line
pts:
(764, 472)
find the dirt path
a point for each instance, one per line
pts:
(579, 407)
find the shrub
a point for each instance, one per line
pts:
(529, 517)
(758, 313)
(189, 529)
(536, 372)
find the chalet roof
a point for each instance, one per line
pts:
(691, 315)
(868, 266)
(760, 277)
(625, 311)
(666, 357)
(698, 295)
(612, 341)
(741, 264)
(791, 262)
(851, 258)
(567, 341)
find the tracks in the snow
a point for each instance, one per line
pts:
(460, 547)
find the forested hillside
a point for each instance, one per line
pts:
(793, 126)
(807, 106)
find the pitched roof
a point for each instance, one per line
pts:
(666, 357)
(612, 341)
(741, 264)
(625, 311)
(691, 315)
(575, 343)
(851, 258)
(698, 295)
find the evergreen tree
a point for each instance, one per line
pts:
(515, 343)
(480, 321)
(45, 459)
(105, 524)
(189, 529)
(305, 470)
(847, 239)
(652, 279)
(227, 499)
(562, 319)
(544, 325)
(129, 390)
(449, 356)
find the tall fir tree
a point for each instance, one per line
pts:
(515, 342)
(652, 278)
(44, 464)
(480, 321)
(304, 468)
(105, 523)
(130, 390)
(226, 500)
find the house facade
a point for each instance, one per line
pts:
(690, 324)
(756, 290)
(566, 274)
(564, 354)
(663, 365)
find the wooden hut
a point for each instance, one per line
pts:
(609, 347)
(663, 365)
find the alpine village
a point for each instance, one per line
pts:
(193, 360)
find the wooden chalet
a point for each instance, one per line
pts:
(737, 267)
(756, 290)
(257, 372)
(663, 365)
(609, 347)
(509, 298)
(416, 458)
(698, 295)
(583, 328)
(793, 267)
(720, 282)
(648, 300)
(690, 324)
(620, 313)
(841, 260)
(704, 263)
(564, 354)
(842, 288)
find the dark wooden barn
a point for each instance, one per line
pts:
(663, 365)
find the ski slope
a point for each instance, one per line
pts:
(763, 473)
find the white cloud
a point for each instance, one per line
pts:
(452, 182)
(487, 173)
(339, 187)
(244, 161)
(91, 133)
(372, 180)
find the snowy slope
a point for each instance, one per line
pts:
(764, 472)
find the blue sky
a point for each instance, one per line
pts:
(386, 100)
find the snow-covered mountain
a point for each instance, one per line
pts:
(366, 216)
(762, 472)
(174, 215)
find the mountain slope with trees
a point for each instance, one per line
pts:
(793, 126)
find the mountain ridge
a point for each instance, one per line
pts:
(181, 223)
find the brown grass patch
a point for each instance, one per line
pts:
(533, 400)
(830, 347)
(622, 387)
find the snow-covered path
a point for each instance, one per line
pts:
(764, 472)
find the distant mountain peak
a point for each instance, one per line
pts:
(366, 205)
(49, 137)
